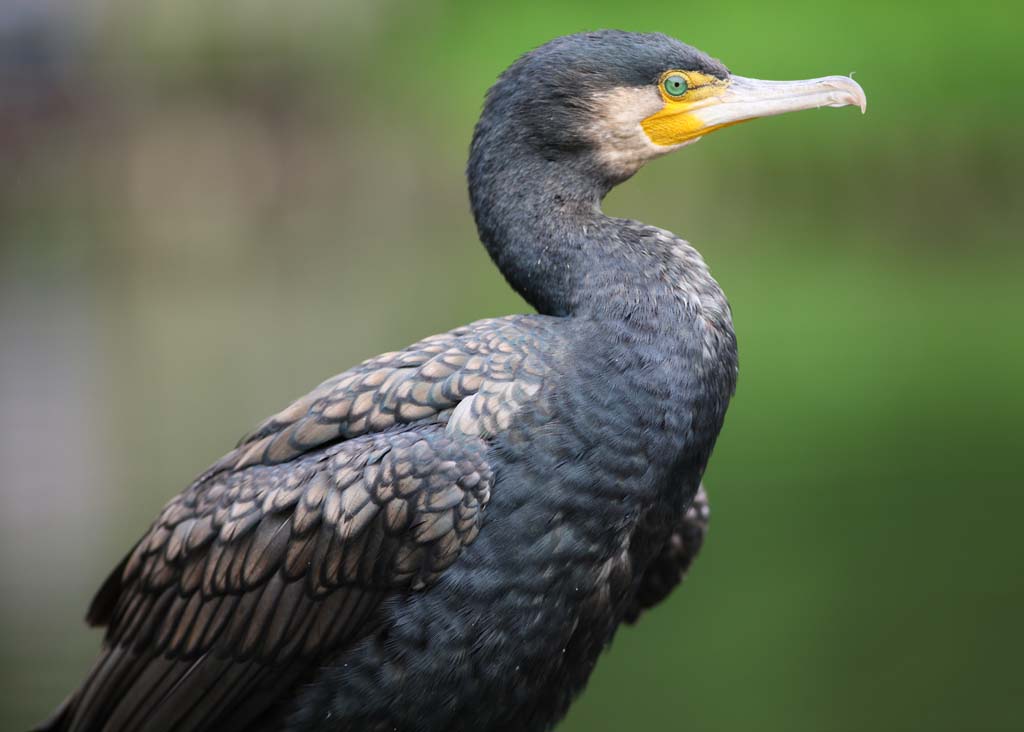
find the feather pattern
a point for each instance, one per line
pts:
(279, 553)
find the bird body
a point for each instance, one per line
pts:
(628, 414)
(446, 537)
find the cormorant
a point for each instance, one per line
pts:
(446, 537)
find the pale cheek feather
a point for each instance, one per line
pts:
(620, 142)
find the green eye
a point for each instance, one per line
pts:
(674, 85)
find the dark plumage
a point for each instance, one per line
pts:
(447, 537)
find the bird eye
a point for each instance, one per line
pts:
(674, 85)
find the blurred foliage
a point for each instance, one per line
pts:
(207, 208)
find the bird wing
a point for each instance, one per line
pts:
(281, 552)
(670, 566)
(495, 365)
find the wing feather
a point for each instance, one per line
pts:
(281, 551)
(279, 591)
(670, 567)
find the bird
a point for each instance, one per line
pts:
(446, 537)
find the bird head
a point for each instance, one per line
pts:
(612, 100)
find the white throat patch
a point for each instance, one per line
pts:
(620, 142)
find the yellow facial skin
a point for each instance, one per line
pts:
(674, 123)
(710, 103)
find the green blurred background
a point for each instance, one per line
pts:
(206, 208)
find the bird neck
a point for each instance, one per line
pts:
(541, 221)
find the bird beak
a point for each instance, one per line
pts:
(738, 99)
